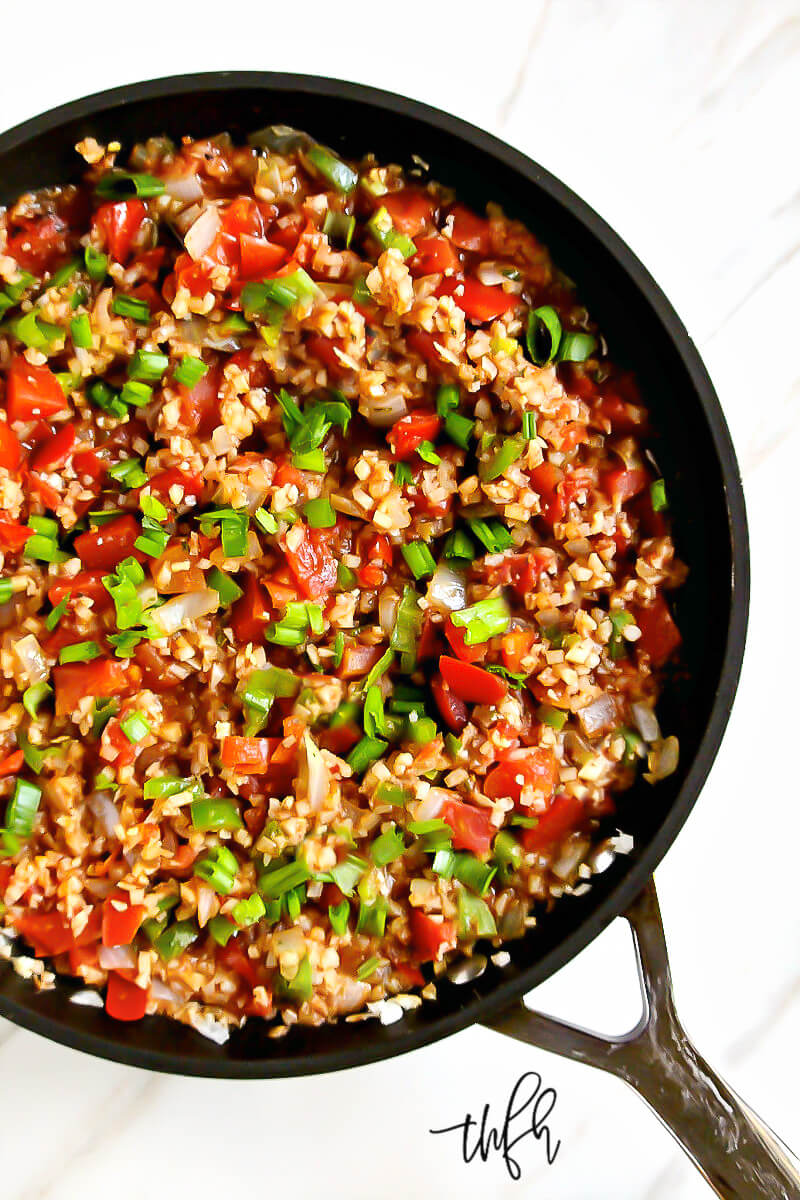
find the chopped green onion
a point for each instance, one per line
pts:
(474, 916)
(78, 297)
(443, 864)
(45, 525)
(218, 869)
(543, 334)
(79, 652)
(428, 454)
(131, 306)
(36, 333)
(508, 453)
(556, 718)
(103, 711)
(331, 168)
(338, 915)
(406, 629)
(63, 274)
(311, 460)
(284, 291)
(15, 291)
(364, 753)
(402, 474)
(345, 578)
(338, 649)
(128, 473)
(634, 746)
(529, 424)
(658, 495)
(247, 912)
(389, 793)
(153, 539)
(447, 399)
(104, 397)
(299, 988)
(210, 814)
(619, 620)
(483, 620)
(176, 938)
(434, 834)
(319, 513)
(507, 850)
(33, 696)
(372, 917)
(340, 226)
(380, 668)
(81, 332)
(459, 429)
(459, 545)
(136, 393)
(23, 807)
(493, 534)
(421, 730)
(347, 874)
(283, 878)
(189, 371)
(9, 843)
(374, 716)
(45, 549)
(135, 727)
(475, 874)
(387, 847)
(227, 588)
(525, 822)
(265, 521)
(420, 561)
(368, 968)
(6, 589)
(453, 745)
(171, 785)
(145, 364)
(96, 264)
(104, 780)
(120, 185)
(381, 227)
(576, 347)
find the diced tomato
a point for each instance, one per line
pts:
(118, 225)
(452, 708)
(424, 344)
(89, 465)
(161, 483)
(159, 674)
(125, 1001)
(286, 230)
(358, 659)
(40, 243)
(6, 871)
(429, 644)
(281, 591)
(12, 763)
(312, 563)
(545, 479)
(50, 933)
(243, 216)
(536, 769)
(121, 925)
(183, 858)
(456, 636)
(563, 815)
(480, 302)
(572, 435)
(435, 255)
(515, 646)
(199, 406)
(406, 434)
(411, 210)
(32, 391)
(472, 827)
(258, 256)
(40, 488)
(82, 956)
(324, 349)
(624, 418)
(429, 936)
(250, 613)
(103, 677)
(249, 754)
(13, 536)
(10, 447)
(376, 551)
(115, 746)
(104, 547)
(53, 453)
(472, 683)
(85, 583)
(621, 484)
(339, 740)
(470, 232)
(234, 957)
(256, 370)
(660, 635)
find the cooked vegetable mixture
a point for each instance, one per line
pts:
(332, 597)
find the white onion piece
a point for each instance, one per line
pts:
(88, 997)
(431, 805)
(99, 887)
(31, 658)
(383, 411)
(180, 610)
(205, 904)
(314, 780)
(199, 238)
(105, 810)
(209, 1027)
(645, 721)
(186, 188)
(491, 273)
(160, 991)
(117, 958)
(598, 716)
(662, 760)
(572, 855)
(447, 589)
(388, 603)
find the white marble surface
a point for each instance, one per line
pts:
(677, 121)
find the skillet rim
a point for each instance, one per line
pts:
(624, 892)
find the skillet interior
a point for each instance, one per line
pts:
(693, 449)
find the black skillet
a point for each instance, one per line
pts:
(733, 1149)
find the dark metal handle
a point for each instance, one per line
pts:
(740, 1157)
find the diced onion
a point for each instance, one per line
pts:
(31, 658)
(431, 805)
(106, 812)
(314, 779)
(180, 610)
(645, 721)
(202, 233)
(383, 411)
(117, 958)
(186, 188)
(662, 760)
(491, 274)
(447, 589)
(87, 997)
(388, 602)
(598, 716)
(160, 991)
(209, 1026)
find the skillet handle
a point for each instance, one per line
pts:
(740, 1157)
